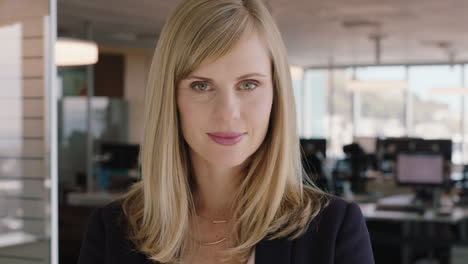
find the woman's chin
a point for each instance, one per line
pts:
(227, 161)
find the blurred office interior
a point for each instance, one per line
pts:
(380, 97)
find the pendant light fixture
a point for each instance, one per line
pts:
(75, 52)
(355, 85)
(297, 73)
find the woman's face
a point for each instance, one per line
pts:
(225, 105)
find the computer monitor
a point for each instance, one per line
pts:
(389, 148)
(423, 169)
(438, 146)
(314, 145)
(118, 155)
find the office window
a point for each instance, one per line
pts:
(314, 103)
(324, 108)
(379, 112)
(298, 97)
(339, 128)
(436, 113)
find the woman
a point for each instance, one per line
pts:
(222, 180)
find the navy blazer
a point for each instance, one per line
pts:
(337, 235)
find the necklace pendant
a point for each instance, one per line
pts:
(219, 221)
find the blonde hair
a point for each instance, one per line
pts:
(272, 200)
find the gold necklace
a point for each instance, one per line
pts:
(213, 222)
(210, 243)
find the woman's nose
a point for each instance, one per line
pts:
(227, 106)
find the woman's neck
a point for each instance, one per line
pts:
(214, 188)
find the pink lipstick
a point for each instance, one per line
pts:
(226, 138)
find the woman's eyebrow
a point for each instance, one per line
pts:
(238, 78)
(248, 75)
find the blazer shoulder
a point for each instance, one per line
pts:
(345, 223)
(111, 210)
(338, 203)
(336, 206)
(335, 214)
(106, 240)
(338, 234)
(348, 211)
(110, 216)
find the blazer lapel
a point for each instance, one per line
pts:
(277, 251)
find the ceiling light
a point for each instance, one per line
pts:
(297, 73)
(374, 86)
(74, 52)
(449, 91)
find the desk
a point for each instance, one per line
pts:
(458, 217)
(92, 199)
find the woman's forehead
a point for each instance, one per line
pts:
(248, 55)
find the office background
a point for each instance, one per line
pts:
(380, 94)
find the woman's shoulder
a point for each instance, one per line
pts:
(337, 234)
(335, 214)
(112, 217)
(337, 204)
(107, 214)
(108, 218)
(106, 240)
(111, 210)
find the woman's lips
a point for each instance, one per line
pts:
(226, 138)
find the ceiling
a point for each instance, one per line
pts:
(317, 33)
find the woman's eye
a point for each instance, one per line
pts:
(249, 86)
(202, 87)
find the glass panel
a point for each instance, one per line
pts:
(109, 124)
(25, 179)
(465, 114)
